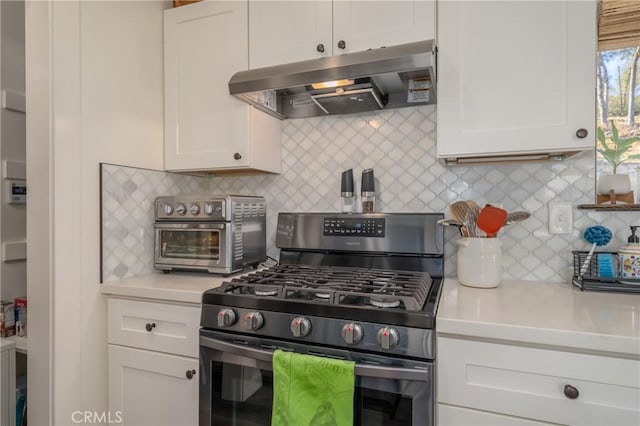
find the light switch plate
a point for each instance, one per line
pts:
(560, 218)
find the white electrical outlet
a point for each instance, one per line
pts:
(560, 217)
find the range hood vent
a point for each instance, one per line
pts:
(388, 77)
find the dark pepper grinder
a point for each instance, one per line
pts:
(347, 191)
(368, 191)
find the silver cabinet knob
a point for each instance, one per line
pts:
(320, 47)
(352, 333)
(208, 209)
(253, 321)
(388, 337)
(300, 327)
(181, 209)
(194, 209)
(226, 318)
(342, 44)
(168, 209)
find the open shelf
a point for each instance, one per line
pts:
(611, 207)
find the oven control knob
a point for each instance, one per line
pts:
(226, 318)
(300, 327)
(168, 209)
(181, 209)
(208, 209)
(352, 333)
(194, 209)
(253, 321)
(388, 337)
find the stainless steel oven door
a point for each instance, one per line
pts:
(204, 246)
(236, 383)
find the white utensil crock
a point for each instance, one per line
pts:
(479, 262)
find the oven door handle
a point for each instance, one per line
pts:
(362, 370)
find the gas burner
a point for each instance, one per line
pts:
(322, 296)
(384, 302)
(265, 291)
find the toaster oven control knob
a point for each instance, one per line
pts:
(194, 209)
(208, 209)
(226, 318)
(300, 327)
(181, 209)
(388, 337)
(352, 333)
(168, 209)
(253, 321)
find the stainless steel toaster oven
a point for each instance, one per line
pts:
(219, 234)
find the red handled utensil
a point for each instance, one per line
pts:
(491, 219)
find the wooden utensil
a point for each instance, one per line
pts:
(515, 217)
(491, 219)
(459, 211)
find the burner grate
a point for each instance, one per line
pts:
(377, 288)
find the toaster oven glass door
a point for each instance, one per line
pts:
(200, 244)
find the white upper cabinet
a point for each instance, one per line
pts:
(363, 25)
(515, 77)
(290, 31)
(205, 127)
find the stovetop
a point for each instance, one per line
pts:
(406, 298)
(374, 288)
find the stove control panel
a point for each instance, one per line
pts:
(354, 227)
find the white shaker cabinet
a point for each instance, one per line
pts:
(516, 77)
(284, 31)
(206, 128)
(491, 383)
(153, 362)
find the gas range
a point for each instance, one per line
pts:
(360, 282)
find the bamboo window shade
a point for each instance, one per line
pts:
(619, 24)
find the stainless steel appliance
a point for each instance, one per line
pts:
(219, 234)
(349, 286)
(388, 77)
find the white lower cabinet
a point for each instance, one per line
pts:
(152, 388)
(153, 364)
(537, 384)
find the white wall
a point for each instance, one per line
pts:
(94, 84)
(13, 279)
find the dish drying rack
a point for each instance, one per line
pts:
(591, 279)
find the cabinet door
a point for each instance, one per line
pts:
(366, 25)
(515, 77)
(288, 31)
(205, 127)
(151, 388)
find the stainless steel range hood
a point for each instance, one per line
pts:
(388, 77)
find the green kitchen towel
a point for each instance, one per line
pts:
(312, 391)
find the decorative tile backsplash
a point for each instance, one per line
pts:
(400, 146)
(128, 194)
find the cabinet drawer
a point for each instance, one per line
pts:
(155, 326)
(530, 382)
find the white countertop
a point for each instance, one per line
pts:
(542, 313)
(174, 287)
(6, 344)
